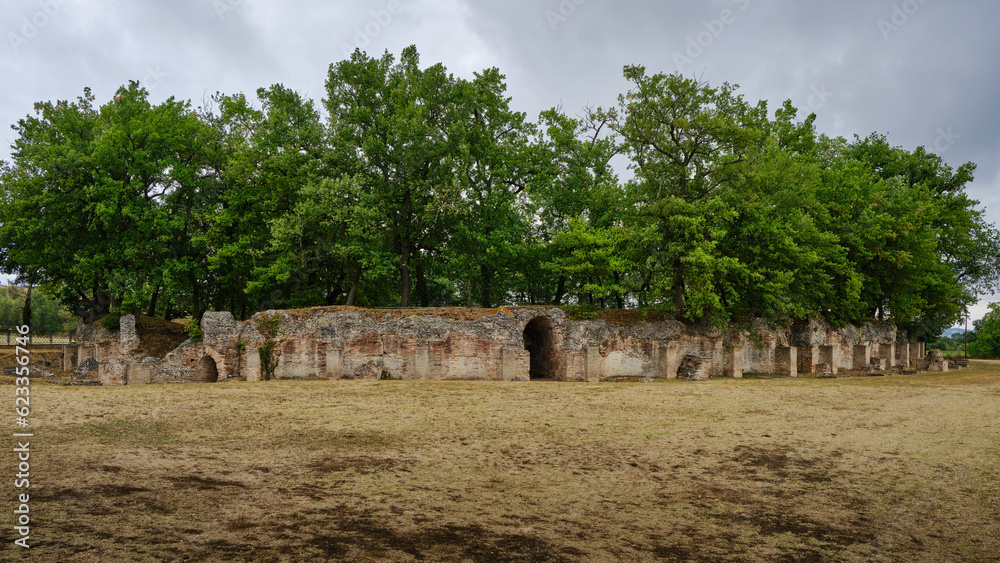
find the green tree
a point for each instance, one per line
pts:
(265, 158)
(987, 331)
(784, 265)
(686, 141)
(10, 311)
(389, 121)
(90, 195)
(926, 249)
(581, 209)
(492, 166)
(335, 223)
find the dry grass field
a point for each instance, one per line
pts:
(903, 468)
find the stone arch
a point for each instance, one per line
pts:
(208, 371)
(542, 343)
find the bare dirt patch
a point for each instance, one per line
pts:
(158, 337)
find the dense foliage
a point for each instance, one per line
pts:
(985, 341)
(410, 186)
(45, 315)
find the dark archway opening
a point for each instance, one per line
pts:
(207, 370)
(540, 342)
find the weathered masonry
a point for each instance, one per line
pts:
(517, 343)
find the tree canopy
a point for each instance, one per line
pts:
(985, 341)
(407, 185)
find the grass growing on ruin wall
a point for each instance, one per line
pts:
(902, 468)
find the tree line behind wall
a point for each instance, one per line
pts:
(409, 186)
(45, 315)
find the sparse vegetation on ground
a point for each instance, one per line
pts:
(902, 468)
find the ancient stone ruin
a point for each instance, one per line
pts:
(516, 343)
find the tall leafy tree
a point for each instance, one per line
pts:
(102, 185)
(936, 252)
(390, 121)
(492, 167)
(266, 156)
(686, 140)
(583, 211)
(986, 343)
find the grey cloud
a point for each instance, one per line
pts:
(851, 62)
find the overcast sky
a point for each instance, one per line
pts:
(923, 72)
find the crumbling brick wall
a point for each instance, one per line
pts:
(503, 344)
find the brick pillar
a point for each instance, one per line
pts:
(862, 356)
(334, 363)
(128, 338)
(592, 363)
(785, 361)
(252, 364)
(885, 351)
(669, 360)
(903, 351)
(508, 364)
(733, 363)
(828, 356)
(808, 357)
(422, 362)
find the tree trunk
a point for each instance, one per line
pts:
(560, 291)
(405, 250)
(422, 286)
(619, 298)
(354, 288)
(151, 312)
(484, 275)
(404, 277)
(196, 300)
(468, 292)
(26, 312)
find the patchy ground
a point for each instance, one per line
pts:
(158, 337)
(904, 468)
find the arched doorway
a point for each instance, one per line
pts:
(207, 370)
(540, 342)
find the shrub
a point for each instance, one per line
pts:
(193, 328)
(582, 312)
(111, 321)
